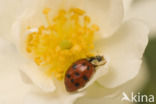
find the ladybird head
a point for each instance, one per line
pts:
(97, 60)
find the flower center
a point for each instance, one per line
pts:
(68, 37)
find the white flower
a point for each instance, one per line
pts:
(143, 10)
(121, 42)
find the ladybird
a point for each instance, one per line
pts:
(81, 71)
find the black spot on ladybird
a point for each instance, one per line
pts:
(77, 74)
(85, 78)
(77, 84)
(72, 80)
(68, 75)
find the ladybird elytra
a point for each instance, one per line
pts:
(81, 71)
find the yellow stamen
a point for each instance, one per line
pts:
(46, 11)
(87, 19)
(95, 27)
(77, 11)
(67, 38)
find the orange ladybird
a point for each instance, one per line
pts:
(81, 71)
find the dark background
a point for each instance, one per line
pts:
(150, 58)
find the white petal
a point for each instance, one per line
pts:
(10, 10)
(28, 66)
(125, 50)
(55, 5)
(108, 14)
(143, 10)
(12, 89)
(60, 96)
(127, 5)
(37, 77)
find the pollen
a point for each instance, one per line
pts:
(69, 36)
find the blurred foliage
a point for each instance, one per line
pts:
(150, 57)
